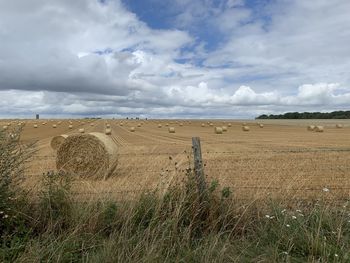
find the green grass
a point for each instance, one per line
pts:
(174, 227)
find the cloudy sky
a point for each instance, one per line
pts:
(173, 58)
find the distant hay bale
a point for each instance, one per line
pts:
(108, 125)
(229, 125)
(218, 130)
(171, 130)
(159, 125)
(203, 125)
(139, 125)
(57, 141)
(81, 130)
(44, 123)
(319, 129)
(245, 128)
(54, 126)
(121, 124)
(181, 124)
(91, 124)
(211, 124)
(339, 126)
(70, 127)
(244, 124)
(224, 128)
(132, 129)
(5, 127)
(35, 126)
(311, 127)
(167, 124)
(261, 125)
(108, 131)
(92, 155)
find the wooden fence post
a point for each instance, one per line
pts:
(198, 168)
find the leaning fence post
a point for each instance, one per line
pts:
(198, 167)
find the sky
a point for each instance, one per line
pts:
(173, 58)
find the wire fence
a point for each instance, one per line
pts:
(312, 174)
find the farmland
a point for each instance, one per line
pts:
(280, 160)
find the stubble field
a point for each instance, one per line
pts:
(281, 160)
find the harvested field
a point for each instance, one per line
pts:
(282, 160)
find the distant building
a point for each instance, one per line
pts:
(37, 117)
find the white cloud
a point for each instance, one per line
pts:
(83, 57)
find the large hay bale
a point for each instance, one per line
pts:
(211, 124)
(319, 129)
(229, 125)
(181, 124)
(224, 128)
(54, 126)
(261, 125)
(108, 125)
(70, 127)
(92, 155)
(108, 131)
(132, 129)
(57, 141)
(203, 125)
(311, 127)
(5, 127)
(121, 124)
(159, 125)
(82, 130)
(35, 126)
(339, 126)
(91, 124)
(245, 128)
(167, 124)
(218, 130)
(171, 130)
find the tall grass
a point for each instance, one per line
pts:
(172, 227)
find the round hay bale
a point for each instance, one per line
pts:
(261, 125)
(211, 124)
(244, 124)
(57, 141)
(44, 123)
(181, 124)
(171, 130)
(245, 128)
(229, 125)
(70, 127)
(108, 126)
(81, 130)
(121, 124)
(224, 128)
(159, 125)
(203, 125)
(311, 127)
(339, 126)
(167, 124)
(35, 126)
(91, 124)
(54, 126)
(5, 127)
(108, 131)
(132, 129)
(218, 130)
(319, 129)
(139, 125)
(92, 155)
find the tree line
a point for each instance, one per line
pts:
(308, 115)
